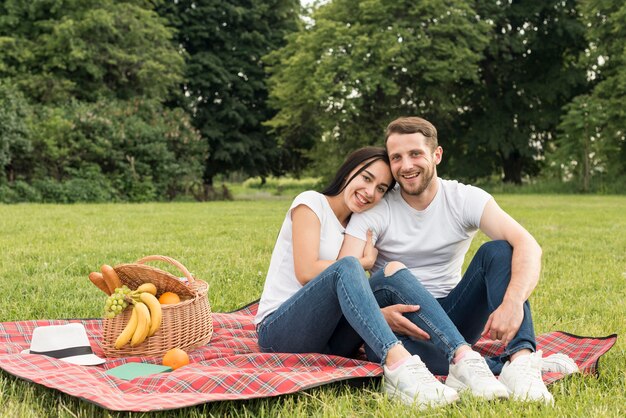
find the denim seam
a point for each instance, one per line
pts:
(465, 288)
(384, 347)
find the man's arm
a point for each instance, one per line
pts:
(505, 321)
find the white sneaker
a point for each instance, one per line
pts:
(559, 363)
(522, 377)
(472, 373)
(413, 384)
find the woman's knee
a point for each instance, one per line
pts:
(393, 267)
(349, 262)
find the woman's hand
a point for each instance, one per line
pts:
(369, 252)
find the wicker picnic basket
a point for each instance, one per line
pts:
(185, 325)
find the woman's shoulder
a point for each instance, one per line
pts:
(308, 196)
(311, 198)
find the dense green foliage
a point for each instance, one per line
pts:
(134, 100)
(592, 145)
(224, 87)
(363, 63)
(526, 76)
(56, 50)
(48, 251)
(82, 115)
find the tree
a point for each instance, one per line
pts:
(61, 49)
(526, 77)
(225, 87)
(580, 147)
(593, 131)
(362, 63)
(14, 133)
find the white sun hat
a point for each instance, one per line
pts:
(64, 342)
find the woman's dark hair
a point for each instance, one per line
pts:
(367, 155)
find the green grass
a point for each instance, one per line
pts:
(47, 252)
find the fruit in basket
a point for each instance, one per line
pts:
(128, 331)
(116, 302)
(147, 287)
(110, 277)
(169, 298)
(175, 358)
(143, 324)
(156, 315)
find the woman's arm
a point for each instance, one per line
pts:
(305, 230)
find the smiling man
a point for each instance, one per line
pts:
(422, 231)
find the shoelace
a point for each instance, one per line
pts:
(478, 367)
(530, 369)
(421, 373)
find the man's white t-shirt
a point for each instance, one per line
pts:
(432, 243)
(281, 282)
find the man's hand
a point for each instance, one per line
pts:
(504, 322)
(369, 252)
(402, 325)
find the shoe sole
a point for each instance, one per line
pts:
(393, 393)
(459, 386)
(519, 398)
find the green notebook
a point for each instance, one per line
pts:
(130, 371)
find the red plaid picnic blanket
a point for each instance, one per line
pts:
(229, 367)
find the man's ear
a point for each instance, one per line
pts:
(438, 155)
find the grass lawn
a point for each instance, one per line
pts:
(47, 251)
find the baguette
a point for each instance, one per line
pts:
(110, 277)
(97, 279)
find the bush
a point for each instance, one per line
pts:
(7, 194)
(282, 184)
(25, 192)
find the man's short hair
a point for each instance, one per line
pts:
(413, 125)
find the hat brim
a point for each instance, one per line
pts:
(82, 360)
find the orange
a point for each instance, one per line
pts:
(175, 358)
(169, 298)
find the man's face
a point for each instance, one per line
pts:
(413, 162)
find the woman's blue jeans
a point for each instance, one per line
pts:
(460, 317)
(332, 314)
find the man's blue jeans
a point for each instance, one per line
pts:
(460, 317)
(332, 314)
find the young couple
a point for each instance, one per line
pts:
(416, 314)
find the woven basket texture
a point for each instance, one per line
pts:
(186, 325)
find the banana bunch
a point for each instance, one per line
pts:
(145, 318)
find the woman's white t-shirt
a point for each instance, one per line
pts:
(281, 282)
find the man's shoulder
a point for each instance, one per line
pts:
(458, 189)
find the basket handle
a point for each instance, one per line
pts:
(169, 260)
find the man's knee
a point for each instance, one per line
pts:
(392, 267)
(497, 249)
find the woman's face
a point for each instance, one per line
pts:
(368, 187)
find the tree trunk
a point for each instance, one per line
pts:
(207, 183)
(512, 165)
(586, 163)
(209, 191)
